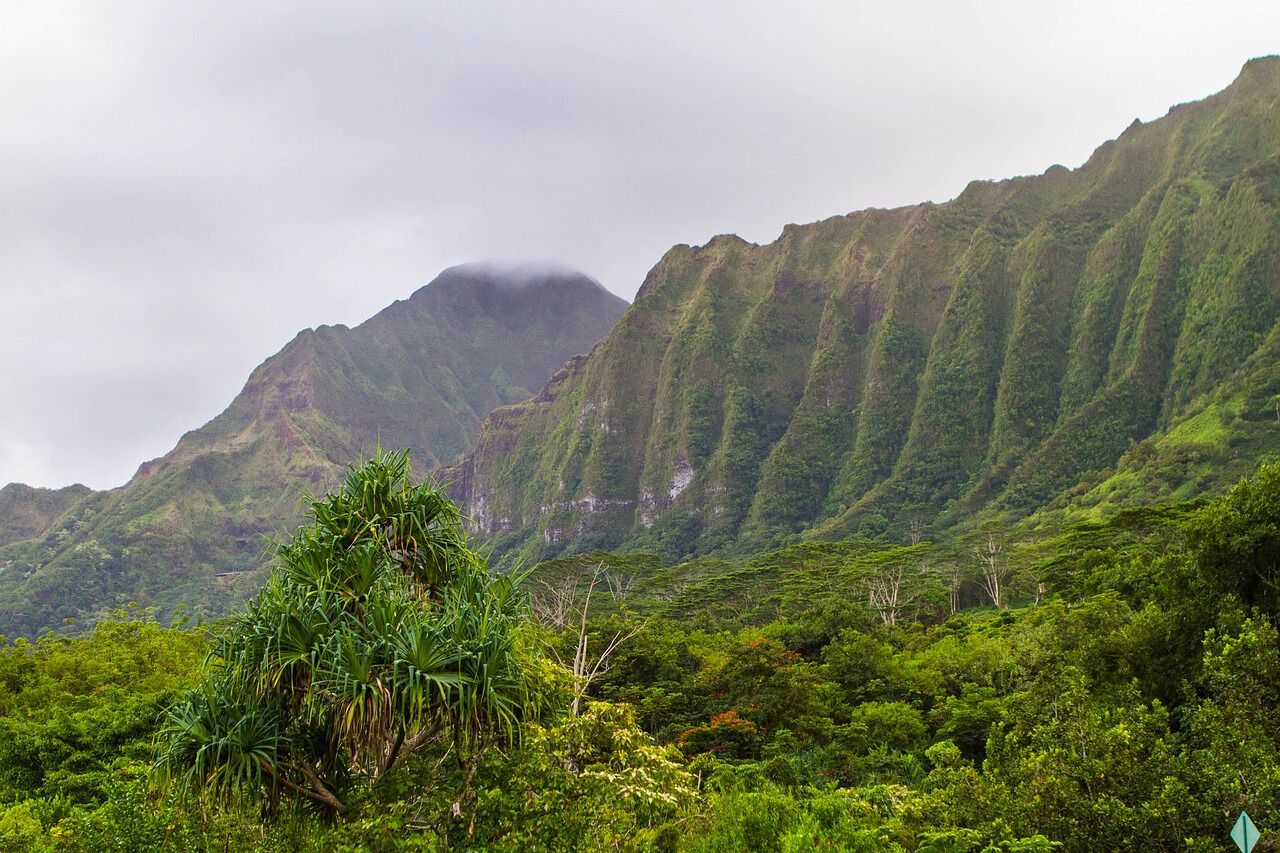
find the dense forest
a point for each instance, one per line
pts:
(1104, 685)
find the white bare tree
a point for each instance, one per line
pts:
(620, 584)
(990, 557)
(952, 573)
(894, 581)
(1035, 574)
(884, 592)
(916, 528)
(565, 606)
(552, 603)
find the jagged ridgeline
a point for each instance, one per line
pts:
(1043, 340)
(189, 527)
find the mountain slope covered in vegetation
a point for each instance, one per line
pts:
(1124, 696)
(189, 526)
(991, 355)
(26, 511)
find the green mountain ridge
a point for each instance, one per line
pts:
(935, 364)
(26, 511)
(188, 528)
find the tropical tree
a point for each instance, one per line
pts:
(1235, 544)
(593, 780)
(380, 632)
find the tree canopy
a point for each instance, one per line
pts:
(381, 630)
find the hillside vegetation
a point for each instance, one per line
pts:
(384, 693)
(189, 528)
(1088, 338)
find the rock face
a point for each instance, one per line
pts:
(989, 354)
(422, 373)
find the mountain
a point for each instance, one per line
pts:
(931, 365)
(26, 511)
(422, 374)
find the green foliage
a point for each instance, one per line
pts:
(861, 663)
(892, 725)
(72, 708)
(1232, 721)
(1134, 707)
(594, 780)
(1034, 343)
(380, 632)
(1235, 542)
(1092, 769)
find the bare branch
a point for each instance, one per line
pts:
(317, 791)
(989, 559)
(562, 606)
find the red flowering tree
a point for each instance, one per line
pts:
(767, 684)
(728, 735)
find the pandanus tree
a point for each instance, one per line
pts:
(380, 632)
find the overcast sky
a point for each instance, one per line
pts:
(184, 186)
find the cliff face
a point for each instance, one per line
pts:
(422, 374)
(921, 364)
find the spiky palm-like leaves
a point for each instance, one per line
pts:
(379, 631)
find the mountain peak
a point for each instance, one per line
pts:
(512, 277)
(504, 289)
(422, 373)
